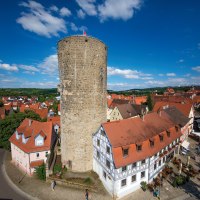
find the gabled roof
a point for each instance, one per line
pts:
(134, 131)
(184, 108)
(31, 128)
(140, 100)
(176, 116)
(42, 112)
(116, 102)
(127, 111)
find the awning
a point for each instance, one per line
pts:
(36, 163)
(185, 144)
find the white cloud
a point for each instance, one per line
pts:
(155, 83)
(49, 65)
(88, 6)
(54, 8)
(160, 74)
(196, 68)
(76, 28)
(128, 73)
(118, 9)
(8, 67)
(29, 72)
(187, 75)
(29, 68)
(65, 12)
(46, 84)
(170, 74)
(41, 21)
(81, 14)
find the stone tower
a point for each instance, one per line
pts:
(83, 87)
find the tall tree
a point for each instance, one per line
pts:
(149, 102)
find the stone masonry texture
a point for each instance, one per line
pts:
(83, 85)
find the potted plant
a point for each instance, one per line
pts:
(143, 185)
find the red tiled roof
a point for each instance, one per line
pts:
(35, 128)
(42, 112)
(140, 100)
(184, 108)
(24, 107)
(109, 102)
(196, 99)
(7, 106)
(36, 163)
(170, 90)
(129, 132)
(35, 106)
(168, 98)
(54, 120)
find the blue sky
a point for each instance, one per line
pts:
(150, 42)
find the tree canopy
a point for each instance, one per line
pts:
(11, 122)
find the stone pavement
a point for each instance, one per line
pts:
(42, 190)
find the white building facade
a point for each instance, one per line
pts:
(121, 181)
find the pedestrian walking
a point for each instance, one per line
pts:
(86, 194)
(53, 184)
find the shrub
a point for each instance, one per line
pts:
(88, 180)
(41, 172)
(57, 168)
(143, 185)
(179, 180)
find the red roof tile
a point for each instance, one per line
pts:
(35, 128)
(54, 120)
(129, 132)
(36, 163)
(140, 100)
(184, 108)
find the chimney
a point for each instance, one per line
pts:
(29, 122)
(143, 117)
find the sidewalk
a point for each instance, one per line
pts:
(42, 190)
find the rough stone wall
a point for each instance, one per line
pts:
(83, 76)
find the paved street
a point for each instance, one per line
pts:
(6, 189)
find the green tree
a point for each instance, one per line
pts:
(32, 115)
(11, 122)
(149, 102)
(41, 172)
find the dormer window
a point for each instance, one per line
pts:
(161, 138)
(39, 140)
(176, 127)
(139, 147)
(125, 152)
(17, 135)
(151, 142)
(168, 133)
